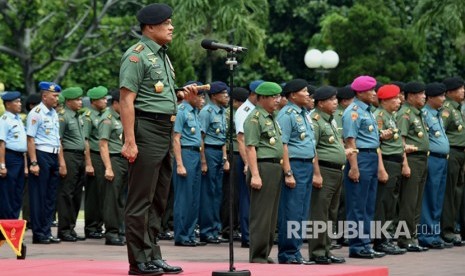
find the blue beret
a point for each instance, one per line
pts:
(253, 85)
(11, 96)
(453, 83)
(49, 86)
(154, 14)
(294, 86)
(324, 93)
(217, 87)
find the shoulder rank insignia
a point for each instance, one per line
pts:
(182, 107)
(88, 113)
(407, 111)
(289, 110)
(316, 116)
(138, 48)
(61, 112)
(61, 119)
(4, 117)
(109, 116)
(355, 107)
(37, 110)
(341, 113)
(210, 109)
(381, 113)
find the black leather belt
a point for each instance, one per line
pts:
(94, 151)
(301, 159)
(74, 151)
(421, 153)
(269, 160)
(368, 150)
(330, 165)
(214, 146)
(462, 149)
(397, 158)
(155, 116)
(191, 148)
(13, 151)
(116, 155)
(439, 155)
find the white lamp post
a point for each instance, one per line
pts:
(327, 60)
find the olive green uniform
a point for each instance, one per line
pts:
(70, 189)
(331, 160)
(110, 129)
(392, 150)
(412, 127)
(262, 131)
(95, 184)
(147, 71)
(454, 125)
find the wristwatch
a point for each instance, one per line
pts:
(289, 173)
(34, 163)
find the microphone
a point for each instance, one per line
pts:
(214, 45)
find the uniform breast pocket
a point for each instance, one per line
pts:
(191, 126)
(268, 132)
(216, 126)
(73, 126)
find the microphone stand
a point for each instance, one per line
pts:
(231, 61)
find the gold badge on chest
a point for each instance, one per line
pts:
(159, 87)
(272, 141)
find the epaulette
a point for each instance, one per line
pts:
(88, 113)
(37, 110)
(407, 111)
(109, 116)
(447, 104)
(316, 116)
(257, 114)
(246, 109)
(289, 110)
(355, 107)
(210, 109)
(138, 48)
(381, 113)
(182, 107)
(61, 112)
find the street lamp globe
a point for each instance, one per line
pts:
(330, 59)
(313, 58)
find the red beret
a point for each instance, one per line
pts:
(363, 83)
(388, 91)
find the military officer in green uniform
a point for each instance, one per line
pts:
(110, 133)
(454, 124)
(264, 153)
(328, 172)
(93, 209)
(148, 108)
(392, 152)
(72, 164)
(415, 166)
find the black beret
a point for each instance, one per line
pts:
(414, 87)
(311, 89)
(345, 92)
(324, 92)
(400, 84)
(378, 85)
(453, 83)
(154, 14)
(115, 95)
(240, 94)
(435, 89)
(294, 86)
(33, 99)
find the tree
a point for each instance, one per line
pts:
(47, 37)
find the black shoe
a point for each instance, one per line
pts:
(221, 240)
(144, 269)
(166, 236)
(199, 243)
(448, 244)
(336, 246)
(94, 235)
(166, 267)
(362, 254)
(54, 240)
(270, 260)
(321, 260)
(245, 244)
(436, 245)
(185, 243)
(389, 249)
(211, 240)
(79, 238)
(67, 238)
(114, 241)
(337, 260)
(41, 241)
(413, 247)
(458, 242)
(377, 254)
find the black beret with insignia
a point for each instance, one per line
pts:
(435, 89)
(324, 93)
(414, 87)
(294, 86)
(453, 83)
(345, 92)
(154, 14)
(240, 94)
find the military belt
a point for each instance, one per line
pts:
(421, 153)
(191, 148)
(301, 159)
(462, 149)
(155, 116)
(330, 165)
(13, 151)
(439, 155)
(269, 160)
(214, 146)
(397, 158)
(368, 150)
(74, 151)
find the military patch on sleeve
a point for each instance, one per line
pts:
(134, 59)
(354, 116)
(445, 113)
(380, 123)
(138, 48)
